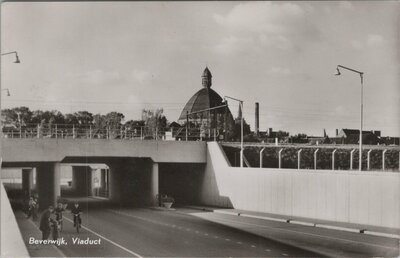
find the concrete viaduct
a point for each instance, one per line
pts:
(199, 173)
(136, 167)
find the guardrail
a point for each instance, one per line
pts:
(68, 131)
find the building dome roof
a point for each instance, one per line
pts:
(203, 99)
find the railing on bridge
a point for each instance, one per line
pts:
(77, 131)
(303, 156)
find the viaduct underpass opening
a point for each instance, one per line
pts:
(113, 181)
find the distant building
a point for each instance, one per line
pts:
(352, 136)
(197, 111)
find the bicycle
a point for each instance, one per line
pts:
(60, 225)
(77, 222)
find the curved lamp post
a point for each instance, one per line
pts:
(17, 61)
(361, 107)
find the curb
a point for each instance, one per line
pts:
(298, 222)
(353, 230)
(261, 217)
(381, 234)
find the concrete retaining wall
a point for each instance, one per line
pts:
(12, 244)
(346, 196)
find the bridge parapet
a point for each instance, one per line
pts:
(55, 150)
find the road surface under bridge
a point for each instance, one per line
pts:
(191, 233)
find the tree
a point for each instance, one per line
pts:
(84, 117)
(113, 122)
(155, 121)
(134, 128)
(100, 126)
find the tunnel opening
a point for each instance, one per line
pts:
(181, 181)
(86, 184)
(85, 180)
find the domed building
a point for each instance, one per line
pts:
(206, 110)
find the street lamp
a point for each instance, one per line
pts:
(241, 128)
(361, 108)
(17, 61)
(8, 92)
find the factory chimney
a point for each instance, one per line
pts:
(257, 120)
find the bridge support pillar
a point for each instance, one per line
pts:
(134, 182)
(154, 188)
(81, 180)
(27, 181)
(115, 182)
(48, 184)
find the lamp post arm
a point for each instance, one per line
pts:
(241, 101)
(344, 67)
(13, 52)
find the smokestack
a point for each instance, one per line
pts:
(257, 120)
(337, 132)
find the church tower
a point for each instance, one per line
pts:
(206, 78)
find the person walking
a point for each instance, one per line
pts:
(45, 221)
(29, 212)
(35, 208)
(59, 215)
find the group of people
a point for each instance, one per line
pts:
(51, 220)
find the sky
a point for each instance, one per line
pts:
(126, 56)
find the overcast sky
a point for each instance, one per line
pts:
(126, 56)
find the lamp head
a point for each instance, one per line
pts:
(337, 71)
(17, 61)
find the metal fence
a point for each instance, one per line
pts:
(67, 131)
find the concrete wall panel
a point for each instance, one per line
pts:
(344, 196)
(55, 150)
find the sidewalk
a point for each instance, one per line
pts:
(343, 226)
(30, 229)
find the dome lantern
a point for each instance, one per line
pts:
(206, 78)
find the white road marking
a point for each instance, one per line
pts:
(302, 233)
(284, 254)
(253, 246)
(206, 234)
(108, 240)
(58, 250)
(239, 243)
(267, 250)
(227, 239)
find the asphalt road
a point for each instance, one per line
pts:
(190, 233)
